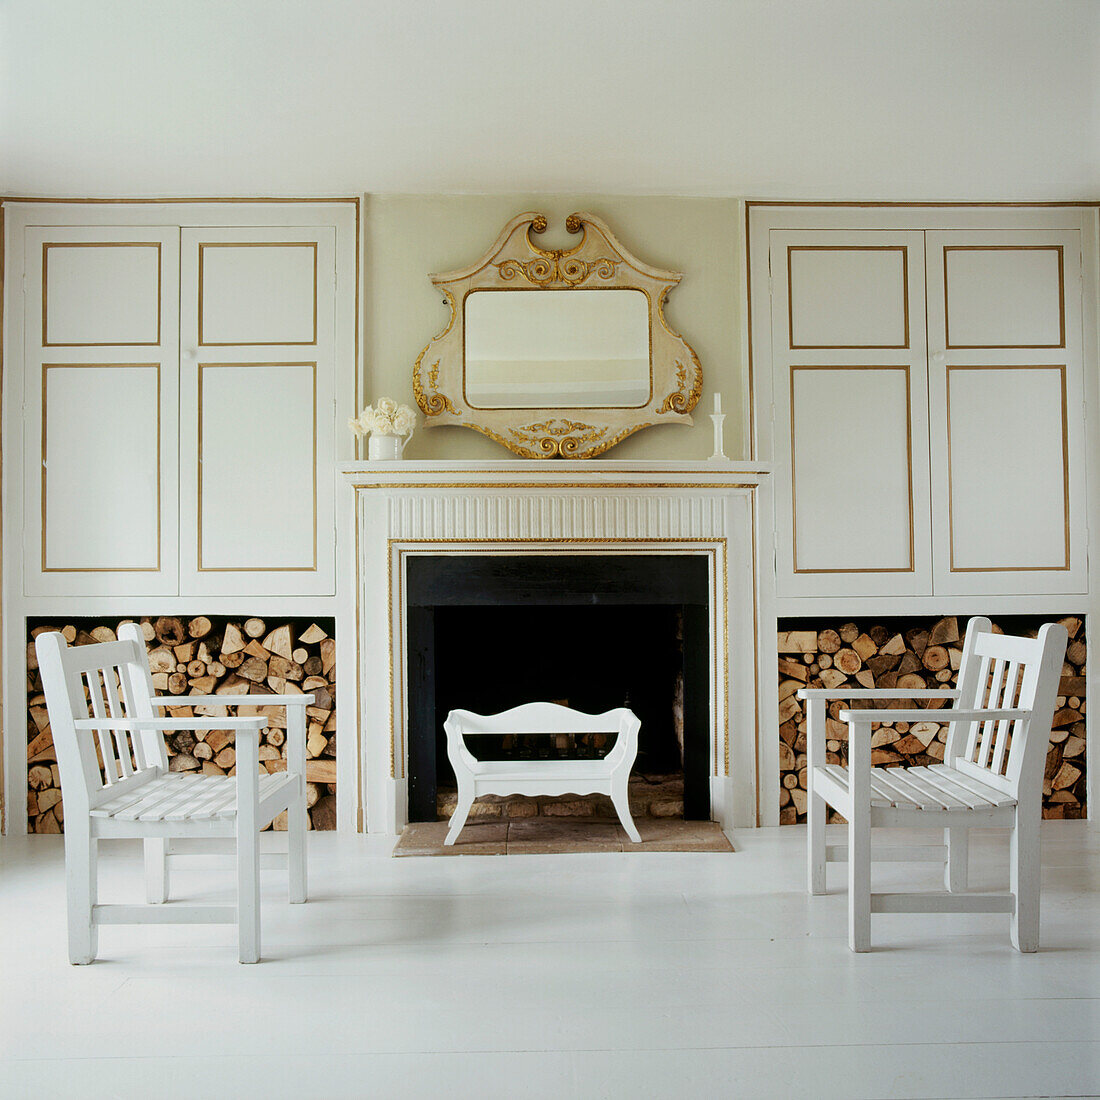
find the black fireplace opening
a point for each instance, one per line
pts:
(590, 631)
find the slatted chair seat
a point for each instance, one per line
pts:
(183, 797)
(115, 783)
(992, 774)
(937, 788)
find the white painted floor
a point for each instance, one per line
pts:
(603, 975)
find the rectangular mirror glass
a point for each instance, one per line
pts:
(539, 349)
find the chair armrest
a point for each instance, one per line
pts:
(233, 700)
(462, 760)
(878, 693)
(133, 724)
(626, 743)
(951, 715)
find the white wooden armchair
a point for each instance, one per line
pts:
(115, 782)
(992, 774)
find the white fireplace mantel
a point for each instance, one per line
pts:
(390, 510)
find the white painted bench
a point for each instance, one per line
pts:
(608, 775)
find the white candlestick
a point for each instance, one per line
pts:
(717, 419)
(717, 402)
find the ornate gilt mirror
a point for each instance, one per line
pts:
(557, 352)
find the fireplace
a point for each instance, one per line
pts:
(669, 546)
(593, 631)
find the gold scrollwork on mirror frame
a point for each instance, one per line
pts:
(557, 367)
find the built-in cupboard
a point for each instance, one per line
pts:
(923, 399)
(177, 379)
(179, 370)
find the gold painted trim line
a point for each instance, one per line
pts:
(358, 307)
(362, 809)
(69, 201)
(756, 770)
(47, 245)
(3, 765)
(199, 567)
(904, 367)
(1060, 249)
(548, 485)
(967, 204)
(203, 342)
(902, 248)
(393, 646)
(750, 360)
(1060, 367)
(43, 567)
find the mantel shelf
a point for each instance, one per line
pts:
(595, 472)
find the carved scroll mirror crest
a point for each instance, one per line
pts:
(557, 352)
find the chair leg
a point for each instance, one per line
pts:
(859, 883)
(296, 843)
(248, 895)
(621, 800)
(458, 818)
(957, 840)
(816, 810)
(81, 888)
(1024, 873)
(156, 870)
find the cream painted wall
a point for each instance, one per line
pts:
(406, 237)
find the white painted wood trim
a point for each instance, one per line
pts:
(761, 217)
(340, 212)
(604, 507)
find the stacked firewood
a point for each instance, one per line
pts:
(209, 656)
(912, 655)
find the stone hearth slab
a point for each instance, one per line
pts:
(542, 835)
(425, 838)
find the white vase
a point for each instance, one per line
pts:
(386, 447)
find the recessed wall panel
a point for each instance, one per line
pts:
(100, 467)
(848, 297)
(851, 464)
(257, 476)
(257, 293)
(103, 294)
(1001, 296)
(1007, 468)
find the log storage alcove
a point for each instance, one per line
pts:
(201, 655)
(913, 653)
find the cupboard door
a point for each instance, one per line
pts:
(257, 411)
(1005, 395)
(850, 415)
(101, 384)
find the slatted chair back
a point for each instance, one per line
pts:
(1001, 672)
(103, 680)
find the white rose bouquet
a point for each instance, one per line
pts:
(385, 418)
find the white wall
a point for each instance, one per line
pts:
(406, 237)
(845, 99)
